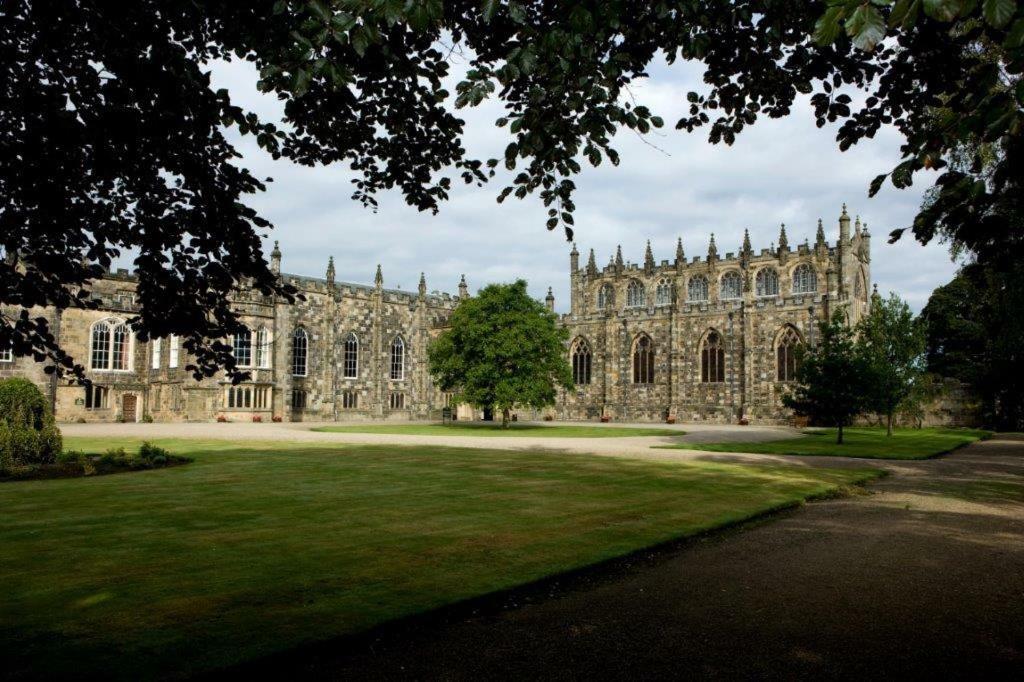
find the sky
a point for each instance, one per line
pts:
(669, 184)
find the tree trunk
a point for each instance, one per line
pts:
(504, 418)
(839, 438)
(888, 424)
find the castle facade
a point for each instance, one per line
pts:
(711, 338)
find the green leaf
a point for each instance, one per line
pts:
(999, 12)
(943, 10)
(866, 27)
(904, 13)
(1015, 36)
(826, 29)
(490, 8)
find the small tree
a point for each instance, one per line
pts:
(503, 349)
(28, 434)
(830, 377)
(892, 341)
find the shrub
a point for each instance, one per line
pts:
(74, 462)
(153, 454)
(29, 436)
(22, 404)
(276, 418)
(80, 420)
(256, 418)
(148, 418)
(221, 419)
(114, 457)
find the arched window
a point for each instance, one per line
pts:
(805, 281)
(241, 348)
(663, 294)
(300, 352)
(643, 360)
(731, 286)
(351, 356)
(712, 359)
(581, 362)
(110, 346)
(397, 359)
(634, 294)
(785, 354)
(262, 348)
(605, 297)
(767, 282)
(697, 291)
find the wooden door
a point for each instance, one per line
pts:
(128, 404)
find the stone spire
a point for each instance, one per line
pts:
(648, 259)
(680, 256)
(378, 279)
(618, 257)
(712, 249)
(783, 244)
(549, 300)
(592, 264)
(819, 239)
(423, 286)
(574, 259)
(844, 227)
(463, 288)
(746, 251)
(275, 259)
(330, 271)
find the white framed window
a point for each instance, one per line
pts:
(731, 286)
(241, 348)
(663, 293)
(397, 359)
(300, 352)
(697, 290)
(172, 355)
(634, 294)
(96, 397)
(155, 345)
(262, 348)
(6, 354)
(767, 282)
(351, 361)
(805, 280)
(111, 343)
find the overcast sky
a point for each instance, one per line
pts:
(778, 171)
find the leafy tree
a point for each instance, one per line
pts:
(502, 349)
(112, 140)
(892, 342)
(28, 434)
(831, 377)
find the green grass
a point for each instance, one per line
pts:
(857, 442)
(514, 429)
(259, 547)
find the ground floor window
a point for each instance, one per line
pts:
(397, 401)
(246, 397)
(96, 397)
(349, 400)
(298, 399)
(6, 355)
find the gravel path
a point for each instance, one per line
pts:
(923, 577)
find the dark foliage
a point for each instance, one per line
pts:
(28, 434)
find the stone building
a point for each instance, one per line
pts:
(706, 339)
(711, 338)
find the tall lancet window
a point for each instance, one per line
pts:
(643, 360)
(786, 354)
(712, 359)
(398, 359)
(300, 352)
(581, 362)
(351, 356)
(663, 294)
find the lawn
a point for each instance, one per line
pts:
(513, 430)
(857, 442)
(258, 547)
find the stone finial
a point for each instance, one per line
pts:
(856, 228)
(746, 251)
(844, 227)
(819, 239)
(783, 240)
(463, 287)
(549, 300)
(423, 286)
(275, 259)
(680, 256)
(330, 271)
(574, 259)
(591, 264)
(378, 279)
(712, 249)
(648, 259)
(618, 256)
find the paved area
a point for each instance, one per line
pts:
(922, 577)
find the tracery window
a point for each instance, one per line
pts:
(262, 348)
(663, 294)
(581, 360)
(300, 351)
(712, 359)
(351, 368)
(643, 360)
(110, 346)
(604, 297)
(634, 294)
(786, 355)
(767, 282)
(241, 348)
(697, 291)
(397, 359)
(805, 281)
(731, 286)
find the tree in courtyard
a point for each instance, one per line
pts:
(831, 376)
(112, 139)
(892, 342)
(502, 349)
(28, 434)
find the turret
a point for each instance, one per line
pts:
(844, 227)
(463, 288)
(865, 244)
(574, 259)
(275, 259)
(549, 300)
(648, 259)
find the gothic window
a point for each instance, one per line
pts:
(767, 282)
(663, 294)
(155, 346)
(581, 362)
(111, 345)
(785, 354)
(697, 291)
(262, 348)
(242, 348)
(397, 359)
(731, 286)
(351, 356)
(172, 358)
(643, 360)
(805, 281)
(634, 294)
(712, 359)
(604, 297)
(300, 352)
